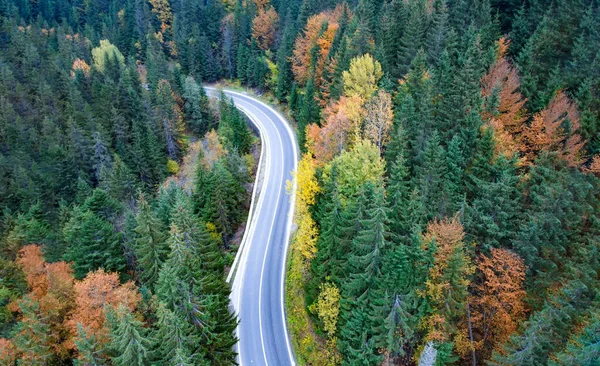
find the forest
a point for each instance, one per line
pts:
(447, 206)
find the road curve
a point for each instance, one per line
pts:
(257, 286)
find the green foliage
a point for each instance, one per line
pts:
(150, 243)
(77, 143)
(233, 128)
(198, 115)
(92, 243)
(129, 340)
(105, 54)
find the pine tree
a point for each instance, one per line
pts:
(150, 245)
(414, 35)
(398, 197)
(92, 244)
(197, 111)
(360, 333)
(129, 340)
(308, 112)
(437, 35)
(494, 214)
(32, 335)
(285, 76)
(430, 178)
(583, 348)
(91, 351)
(173, 338)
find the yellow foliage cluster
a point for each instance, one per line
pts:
(363, 76)
(106, 50)
(172, 166)
(308, 187)
(327, 307)
(356, 167)
(310, 350)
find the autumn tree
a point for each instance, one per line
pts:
(96, 291)
(555, 128)
(340, 129)
(8, 352)
(317, 35)
(307, 188)
(449, 278)
(163, 12)
(362, 78)
(497, 304)
(378, 119)
(51, 298)
(327, 307)
(264, 27)
(504, 103)
(356, 167)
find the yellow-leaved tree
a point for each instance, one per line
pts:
(362, 77)
(307, 189)
(106, 51)
(327, 307)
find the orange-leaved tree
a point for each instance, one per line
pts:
(264, 27)
(8, 352)
(97, 291)
(341, 129)
(504, 102)
(447, 286)
(50, 299)
(555, 129)
(311, 48)
(497, 304)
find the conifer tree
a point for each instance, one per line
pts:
(198, 116)
(360, 333)
(413, 38)
(92, 244)
(129, 340)
(32, 335)
(150, 245)
(173, 338)
(431, 178)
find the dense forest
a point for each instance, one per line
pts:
(448, 198)
(101, 263)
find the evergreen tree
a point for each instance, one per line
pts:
(92, 244)
(32, 336)
(129, 340)
(150, 244)
(197, 111)
(359, 333)
(173, 338)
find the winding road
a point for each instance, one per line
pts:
(258, 273)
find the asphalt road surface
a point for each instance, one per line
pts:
(257, 283)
